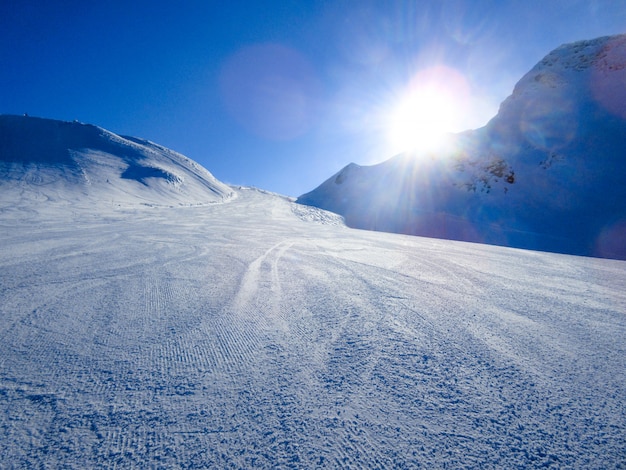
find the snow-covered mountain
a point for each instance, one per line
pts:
(547, 172)
(73, 164)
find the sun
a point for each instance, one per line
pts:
(433, 106)
(422, 120)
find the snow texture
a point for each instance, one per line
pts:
(546, 173)
(245, 335)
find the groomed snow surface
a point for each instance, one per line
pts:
(260, 334)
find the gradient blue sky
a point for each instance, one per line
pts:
(273, 94)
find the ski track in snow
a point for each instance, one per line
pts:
(246, 335)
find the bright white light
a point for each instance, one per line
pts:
(433, 106)
(421, 120)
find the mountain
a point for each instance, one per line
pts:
(545, 173)
(70, 164)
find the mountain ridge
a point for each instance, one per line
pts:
(544, 173)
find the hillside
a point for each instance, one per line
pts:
(70, 164)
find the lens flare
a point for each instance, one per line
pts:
(271, 90)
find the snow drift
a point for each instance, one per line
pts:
(545, 173)
(75, 164)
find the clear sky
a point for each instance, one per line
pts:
(281, 94)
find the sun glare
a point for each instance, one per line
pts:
(433, 106)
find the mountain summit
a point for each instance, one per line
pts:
(546, 173)
(75, 164)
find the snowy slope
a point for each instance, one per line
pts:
(145, 326)
(546, 173)
(265, 334)
(71, 164)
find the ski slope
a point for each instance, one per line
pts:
(257, 333)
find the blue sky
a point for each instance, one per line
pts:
(275, 94)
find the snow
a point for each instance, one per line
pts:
(80, 166)
(257, 333)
